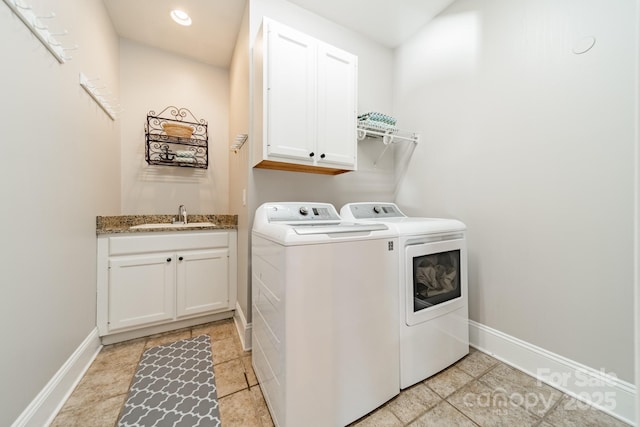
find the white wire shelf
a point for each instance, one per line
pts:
(389, 136)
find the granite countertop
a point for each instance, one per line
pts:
(123, 223)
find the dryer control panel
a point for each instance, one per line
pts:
(372, 211)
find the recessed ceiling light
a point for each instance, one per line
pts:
(181, 17)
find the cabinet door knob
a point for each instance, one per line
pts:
(180, 258)
(322, 156)
(168, 259)
(311, 154)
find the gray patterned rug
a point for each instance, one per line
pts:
(174, 386)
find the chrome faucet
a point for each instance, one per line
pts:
(182, 214)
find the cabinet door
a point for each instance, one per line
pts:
(203, 281)
(337, 98)
(141, 290)
(290, 91)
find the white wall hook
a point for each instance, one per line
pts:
(32, 21)
(100, 98)
(50, 16)
(63, 33)
(22, 6)
(239, 142)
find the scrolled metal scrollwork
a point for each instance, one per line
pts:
(165, 149)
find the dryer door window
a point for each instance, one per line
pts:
(436, 274)
(436, 279)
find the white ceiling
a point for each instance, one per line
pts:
(212, 36)
(210, 39)
(388, 22)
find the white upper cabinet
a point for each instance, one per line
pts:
(305, 103)
(290, 97)
(337, 102)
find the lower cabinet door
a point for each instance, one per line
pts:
(202, 281)
(141, 290)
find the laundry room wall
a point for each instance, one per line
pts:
(60, 168)
(239, 169)
(530, 142)
(153, 79)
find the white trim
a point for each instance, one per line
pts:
(139, 332)
(244, 328)
(636, 219)
(604, 391)
(43, 409)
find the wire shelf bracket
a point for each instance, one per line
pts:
(389, 137)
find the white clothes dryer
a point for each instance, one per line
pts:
(325, 306)
(433, 294)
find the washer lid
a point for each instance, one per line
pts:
(333, 228)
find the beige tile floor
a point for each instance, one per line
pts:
(477, 391)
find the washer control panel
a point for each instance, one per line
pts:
(371, 211)
(296, 212)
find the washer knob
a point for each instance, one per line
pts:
(377, 209)
(304, 211)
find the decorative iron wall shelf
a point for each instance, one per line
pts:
(168, 147)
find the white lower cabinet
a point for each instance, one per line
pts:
(149, 279)
(141, 289)
(202, 282)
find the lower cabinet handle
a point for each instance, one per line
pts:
(168, 259)
(180, 259)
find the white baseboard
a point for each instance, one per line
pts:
(43, 409)
(244, 328)
(599, 389)
(165, 327)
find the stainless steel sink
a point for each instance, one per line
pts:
(170, 225)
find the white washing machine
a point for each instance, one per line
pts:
(325, 310)
(433, 298)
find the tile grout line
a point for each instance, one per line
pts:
(461, 413)
(444, 399)
(544, 417)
